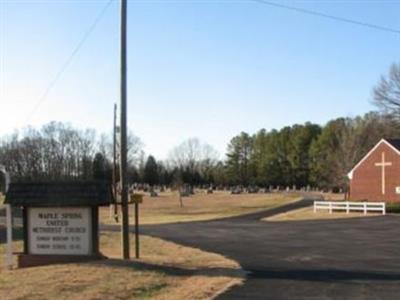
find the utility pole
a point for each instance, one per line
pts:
(114, 173)
(123, 130)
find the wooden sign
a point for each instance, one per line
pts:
(136, 198)
(60, 220)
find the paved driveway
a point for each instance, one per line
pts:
(356, 258)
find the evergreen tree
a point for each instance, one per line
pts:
(151, 175)
(238, 159)
(101, 167)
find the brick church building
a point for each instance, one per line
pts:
(377, 176)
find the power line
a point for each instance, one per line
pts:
(68, 60)
(327, 16)
(265, 2)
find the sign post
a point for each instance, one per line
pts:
(137, 247)
(8, 257)
(137, 199)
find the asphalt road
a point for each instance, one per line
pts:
(356, 258)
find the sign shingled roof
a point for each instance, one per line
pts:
(63, 193)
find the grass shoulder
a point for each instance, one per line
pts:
(165, 271)
(307, 213)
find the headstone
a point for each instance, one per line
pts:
(152, 192)
(236, 190)
(184, 193)
(252, 189)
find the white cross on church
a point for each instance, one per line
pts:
(383, 164)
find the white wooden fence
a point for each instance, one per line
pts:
(8, 257)
(350, 206)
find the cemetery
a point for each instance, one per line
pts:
(201, 206)
(95, 257)
(167, 244)
(295, 198)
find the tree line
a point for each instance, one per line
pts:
(299, 155)
(306, 154)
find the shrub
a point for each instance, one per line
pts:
(393, 208)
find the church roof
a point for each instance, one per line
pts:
(392, 143)
(61, 193)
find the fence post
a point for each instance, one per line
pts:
(9, 236)
(330, 207)
(347, 207)
(384, 209)
(365, 208)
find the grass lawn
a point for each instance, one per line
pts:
(165, 271)
(166, 207)
(333, 196)
(307, 213)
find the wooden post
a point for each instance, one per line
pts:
(9, 236)
(95, 230)
(25, 228)
(137, 199)
(137, 246)
(123, 130)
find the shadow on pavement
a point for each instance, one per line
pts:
(322, 275)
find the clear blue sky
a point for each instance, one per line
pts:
(206, 69)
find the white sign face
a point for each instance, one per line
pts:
(59, 230)
(397, 189)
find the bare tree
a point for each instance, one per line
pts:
(57, 151)
(193, 157)
(135, 147)
(387, 92)
(192, 153)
